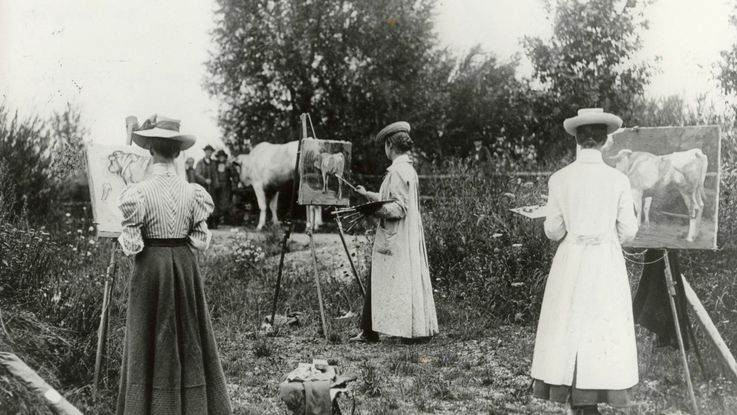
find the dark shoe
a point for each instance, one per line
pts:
(362, 338)
(415, 340)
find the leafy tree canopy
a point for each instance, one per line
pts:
(590, 60)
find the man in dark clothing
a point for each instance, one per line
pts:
(189, 170)
(206, 176)
(480, 156)
(224, 191)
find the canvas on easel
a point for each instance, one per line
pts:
(674, 176)
(110, 168)
(323, 166)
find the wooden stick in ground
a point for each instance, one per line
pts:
(317, 283)
(104, 317)
(348, 254)
(671, 298)
(711, 331)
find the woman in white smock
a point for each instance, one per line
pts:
(585, 350)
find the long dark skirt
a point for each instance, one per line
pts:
(580, 397)
(170, 361)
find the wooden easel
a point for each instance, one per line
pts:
(671, 299)
(288, 232)
(102, 330)
(706, 323)
(311, 220)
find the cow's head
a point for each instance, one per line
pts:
(317, 163)
(622, 160)
(244, 169)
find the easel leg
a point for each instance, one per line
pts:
(285, 239)
(348, 254)
(104, 318)
(317, 284)
(671, 296)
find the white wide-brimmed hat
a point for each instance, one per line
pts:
(587, 116)
(161, 127)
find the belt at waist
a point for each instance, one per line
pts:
(595, 239)
(165, 242)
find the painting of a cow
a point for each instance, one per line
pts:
(331, 165)
(673, 173)
(686, 170)
(269, 166)
(323, 167)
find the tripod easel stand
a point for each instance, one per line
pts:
(107, 292)
(706, 323)
(288, 233)
(671, 299)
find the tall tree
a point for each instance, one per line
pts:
(353, 65)
(590, 60)
(487, 102)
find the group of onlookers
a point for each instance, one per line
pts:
(219, 177)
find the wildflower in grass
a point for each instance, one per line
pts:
(68, 214)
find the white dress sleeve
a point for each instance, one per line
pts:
(555, 226)
(398, 193)
(627, 225)
(132, 204)
(200, 236)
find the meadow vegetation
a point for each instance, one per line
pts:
(488, 266)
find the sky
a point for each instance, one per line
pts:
(139, 57)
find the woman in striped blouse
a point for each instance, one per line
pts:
(170, 362)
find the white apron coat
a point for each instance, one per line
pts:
(586, 318)
(401, 293)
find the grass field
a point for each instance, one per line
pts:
(473, 366)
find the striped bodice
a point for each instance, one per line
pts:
(164, 206)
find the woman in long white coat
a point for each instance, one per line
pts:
(585, 350)
(400, 301)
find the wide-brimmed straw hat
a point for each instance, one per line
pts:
(587, 116)
(161, 127)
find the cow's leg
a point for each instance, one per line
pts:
(272, 206)
(261, 199)
(340, 187)
(648, 201)
(324, 182)
(695, 211)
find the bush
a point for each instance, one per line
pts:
(24, 154)
(485, 260)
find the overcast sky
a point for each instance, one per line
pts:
(139, 57)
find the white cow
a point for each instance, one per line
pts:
(331, 165)
(648, 172)
(272, 165)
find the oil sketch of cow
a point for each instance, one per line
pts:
(322, 171)
(674, 177)
(331, 165)
(269, 166)
(130, 167)
(686, 170)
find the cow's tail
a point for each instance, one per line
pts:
(700, 194)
